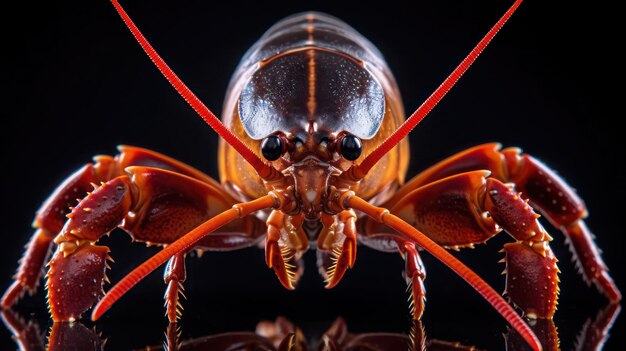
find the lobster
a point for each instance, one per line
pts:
(313, 143)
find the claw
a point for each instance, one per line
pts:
(275, 258)
(532, 280)
(103, 209)
(336, 246)
(75, 281)
(337, 262)
(280, 254)
(513, 213)
(349, 250)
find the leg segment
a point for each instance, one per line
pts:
(336, 246)
(49, 221)
(414, 275)
(174, 276)
(51, 216)
(592, 336)
(152, 205)
(284, 245)
(237, 212)
(559, 203)
(546, 191)
(347, 199)
(77, 270)
(531, 279)
(466, 209)
(30, 268)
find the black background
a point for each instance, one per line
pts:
(76, 84)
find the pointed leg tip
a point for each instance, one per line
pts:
(607, 286)
(12, 295)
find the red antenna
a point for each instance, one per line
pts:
(422, 111)
(261, 167)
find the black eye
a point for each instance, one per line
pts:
(272, 148)
(351, 147)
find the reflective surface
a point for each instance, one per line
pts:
(282, 334)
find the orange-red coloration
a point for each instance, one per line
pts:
(309, 83)
(410, 233)
(174, 276)
(29, 272)
(535, 182)
(103, 210)
(531, 279)
(512, 213)
(415, 275)
(75, 281)
(181, 245)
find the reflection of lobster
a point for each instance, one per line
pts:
(282, 335)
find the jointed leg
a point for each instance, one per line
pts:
(336, 246)
(546, 191)
(466, 209)
(284, 244)
(186, 242)
(382, 215)
(414, 275)
(174, 276)
(152, 205)
(31, 267)
(414, 271)
(49, 221)
(51, 216)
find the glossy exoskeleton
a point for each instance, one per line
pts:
(314, 143)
